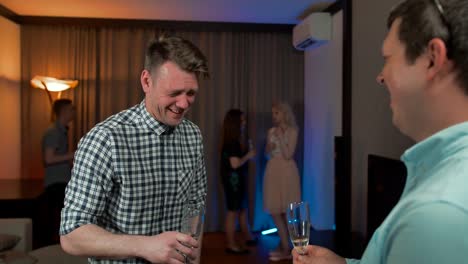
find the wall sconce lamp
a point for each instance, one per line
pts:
(50, 84)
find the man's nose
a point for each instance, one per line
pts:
(380, 79)
(183, 102)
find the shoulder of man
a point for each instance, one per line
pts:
(187, 126)
(115, 121)
(51, 133)
(430, 233)
(52, 128)
(102, 130)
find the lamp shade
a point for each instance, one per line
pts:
(52, 84)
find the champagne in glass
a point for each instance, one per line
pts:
(193, 215)
(192, 219)
(299, 225)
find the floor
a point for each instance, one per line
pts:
(17, 200)
(214, 246)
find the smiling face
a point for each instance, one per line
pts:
(404, 81)
(170, 92)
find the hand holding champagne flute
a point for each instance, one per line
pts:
(299, 225)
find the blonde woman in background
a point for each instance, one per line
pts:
(281, 181)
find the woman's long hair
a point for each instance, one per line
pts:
(232, 128)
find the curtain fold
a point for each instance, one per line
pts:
(249, 70)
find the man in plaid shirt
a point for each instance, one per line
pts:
(134, 171)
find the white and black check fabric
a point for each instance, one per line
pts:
(132, 175)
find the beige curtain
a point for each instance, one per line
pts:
(249, 70)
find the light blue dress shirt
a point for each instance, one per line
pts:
(429, 224)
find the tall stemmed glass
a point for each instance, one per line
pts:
(193, 215)
(299, 225)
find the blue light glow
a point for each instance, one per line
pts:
(269, 231)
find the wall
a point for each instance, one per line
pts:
(10, 144)
(322, 121)
(372, 129)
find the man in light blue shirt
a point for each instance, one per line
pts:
(426, 61)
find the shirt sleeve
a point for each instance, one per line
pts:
(91, 181)
(431, 234)
(50, 139)
(200, 185)
(229, 150)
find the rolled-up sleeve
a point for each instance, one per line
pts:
(91, 181)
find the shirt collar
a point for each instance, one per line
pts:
(442, 144)
(158, 127)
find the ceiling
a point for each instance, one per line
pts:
(248, 11)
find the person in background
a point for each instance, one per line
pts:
(57, 160)
(425, 68)
(235, 154)
(135, 171)
(281, 181)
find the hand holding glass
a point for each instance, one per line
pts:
(299, 225)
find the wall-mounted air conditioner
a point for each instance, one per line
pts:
(313, 31)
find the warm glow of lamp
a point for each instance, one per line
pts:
(51, 84)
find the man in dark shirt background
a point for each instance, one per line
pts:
(57, 159)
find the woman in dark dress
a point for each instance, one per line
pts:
(235, 154)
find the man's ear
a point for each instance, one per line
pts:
(146, 80)
(437, 55)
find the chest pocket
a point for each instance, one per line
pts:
(186, 164)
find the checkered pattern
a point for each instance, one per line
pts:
(133, 174)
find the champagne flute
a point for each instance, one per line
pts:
(193, 215)
(299, 225)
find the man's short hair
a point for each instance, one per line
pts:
(58, 106)
(423, 20)
(178, 50)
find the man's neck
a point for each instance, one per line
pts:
(445, 109)
(62, 122)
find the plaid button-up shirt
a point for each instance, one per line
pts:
(132, 175)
